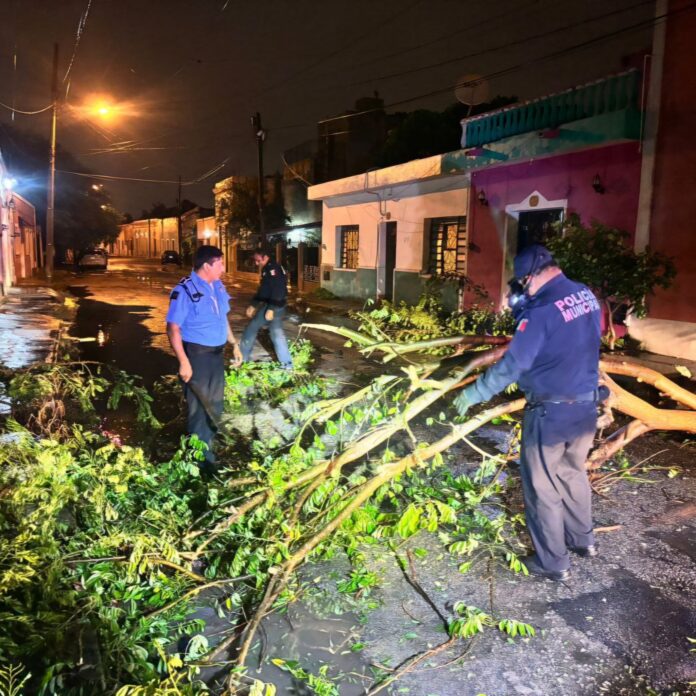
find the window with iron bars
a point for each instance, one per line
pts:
(350, 235)
(448, 246)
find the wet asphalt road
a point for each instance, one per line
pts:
(634, 606)
(129, 302)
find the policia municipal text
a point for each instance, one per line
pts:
(554, 358)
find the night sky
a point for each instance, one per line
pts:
(189, 74)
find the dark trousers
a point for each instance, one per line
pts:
(205, 393)
(556, 439)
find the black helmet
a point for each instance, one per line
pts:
(531, 260)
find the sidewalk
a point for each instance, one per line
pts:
(31, 318)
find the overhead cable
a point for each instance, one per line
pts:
(78, 35)
(26, 113)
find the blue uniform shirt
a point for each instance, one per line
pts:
(555, 349)
(200, 310)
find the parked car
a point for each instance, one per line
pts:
(171, 256)
(93, 258)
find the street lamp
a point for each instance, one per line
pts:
(102, 109)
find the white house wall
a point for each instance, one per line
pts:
(411, 215)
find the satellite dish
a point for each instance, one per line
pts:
(472, 89)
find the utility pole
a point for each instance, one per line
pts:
(260, 135)
(50, 248)
(178, 210)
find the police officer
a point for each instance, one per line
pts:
(198, 328)
(268, 309)
(554, 358)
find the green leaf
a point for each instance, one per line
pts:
(408, 523)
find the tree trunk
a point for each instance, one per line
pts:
(616, 442)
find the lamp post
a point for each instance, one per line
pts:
(50, 205)
(102, 110)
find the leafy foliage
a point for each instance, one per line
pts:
(427, 320)
(602, 258)
(105, 551)
(239, 210)
(84, 216)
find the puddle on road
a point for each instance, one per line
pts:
(121, 336)
(27, 328)
(295, 635)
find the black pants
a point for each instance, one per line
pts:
(205, 393)
(556, 439)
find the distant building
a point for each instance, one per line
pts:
(189, 230)
(460, 218)
(147, 238)
(20, 251)
(25, 237)
(351, 142)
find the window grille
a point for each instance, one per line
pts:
(349, 246)
(448, 247)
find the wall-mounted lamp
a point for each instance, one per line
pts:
(597, 184)
(482, 197)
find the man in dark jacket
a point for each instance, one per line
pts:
(554, 358)
(268, 309)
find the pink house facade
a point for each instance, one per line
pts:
(542, 190)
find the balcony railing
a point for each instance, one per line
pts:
(615, 93)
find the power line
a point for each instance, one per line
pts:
(26, 113)
(343, 48)
(449, 35)
(108, 177)
(78, 35)
(499, 47)
(540, 59)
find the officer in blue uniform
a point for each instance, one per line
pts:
(268, 309)
(198, 329)
(554, 358)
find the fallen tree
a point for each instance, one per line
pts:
(423, 393)
(138, 529)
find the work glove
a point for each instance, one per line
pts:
(269, 315)
(250, 311)
(464, 401)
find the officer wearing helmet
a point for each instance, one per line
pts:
(554, 358)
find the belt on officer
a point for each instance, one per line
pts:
(191, 348)
(564, 398)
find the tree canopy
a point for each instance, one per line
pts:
(240, 210)
(603, 259)
(84, 214)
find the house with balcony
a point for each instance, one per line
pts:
(459, 218)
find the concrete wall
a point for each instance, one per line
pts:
(24, 237)
(411, 215)
(566, 178)
(673, 223)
